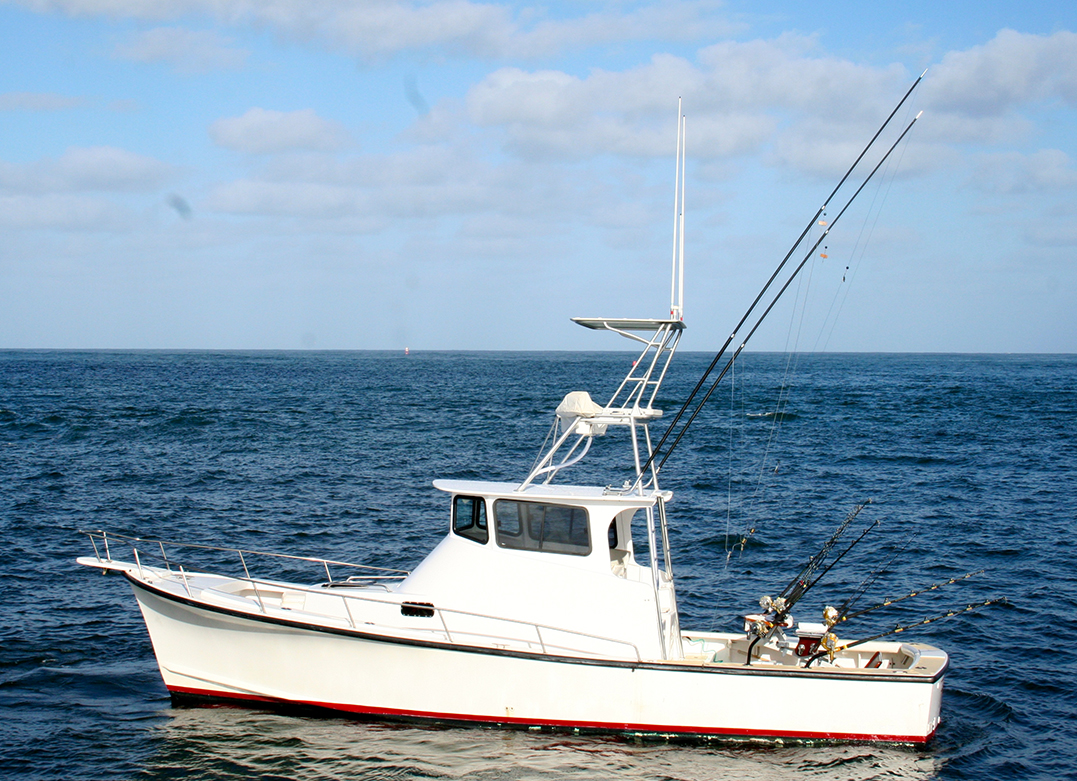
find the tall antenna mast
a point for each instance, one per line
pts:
(676, 293)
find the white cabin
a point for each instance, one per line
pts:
(557, 556)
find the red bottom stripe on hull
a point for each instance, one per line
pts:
(391, 714)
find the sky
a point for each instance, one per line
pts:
(463, 175)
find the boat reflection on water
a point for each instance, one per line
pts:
(228, 742)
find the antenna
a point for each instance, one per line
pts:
(676, 293)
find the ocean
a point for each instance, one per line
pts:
(969, 463)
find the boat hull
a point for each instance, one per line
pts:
(205, 651)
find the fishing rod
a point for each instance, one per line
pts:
(847, 605)
(762, 292)
(802, 583)
(845, 615)
(815, 561)
(803, 587)
(766, 312)
(898, 629)
(834, 616)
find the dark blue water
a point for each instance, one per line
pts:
(970, 463)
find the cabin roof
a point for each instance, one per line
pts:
(585, 494)
(627, 323)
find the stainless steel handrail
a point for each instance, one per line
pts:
(105, 536)
(534, 629)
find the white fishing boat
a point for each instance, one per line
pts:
(546, 605)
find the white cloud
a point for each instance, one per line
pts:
(551, 113)
(787, 73)
(423, 183)
(781, 99)
(286, 199)
(1052, 234)
(489, 30)
(61, 212)
(427, 188)
(383, 28)
(187, 51)
(667, 21)
(380, 28)
(86, 169)
(976, 96)
(38, 101)
(740, 98)
(137, 9)
(1012, 69)
(1013, 173)
(262, 131)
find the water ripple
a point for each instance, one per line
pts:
(971, 462)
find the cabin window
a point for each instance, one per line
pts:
(469, 518)
(553, 528)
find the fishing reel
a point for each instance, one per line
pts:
(771, 622)
(812, 638)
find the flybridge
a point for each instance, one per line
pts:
(632, 404)
(578, 418)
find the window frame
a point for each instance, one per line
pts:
(478, 530)
(523, 536)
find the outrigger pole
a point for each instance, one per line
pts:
(676, 293)
(691, 396)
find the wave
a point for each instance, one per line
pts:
(781, 417)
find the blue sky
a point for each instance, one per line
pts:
(336, 174)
